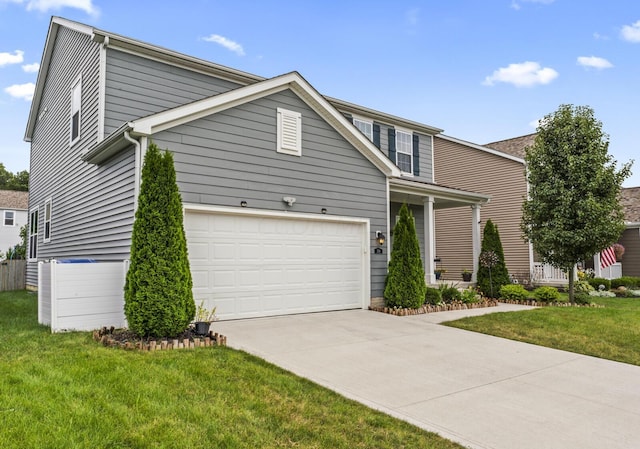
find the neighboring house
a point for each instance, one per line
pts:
(631, 236)
(286, 192)
(478, 168)
(13, 212)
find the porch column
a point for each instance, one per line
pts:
(475, 238)
(597, 271)
(429, 241)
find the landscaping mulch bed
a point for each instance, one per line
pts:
(428, 308)
(125, 339)
(533, 302)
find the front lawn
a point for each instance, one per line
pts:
(612, 332)
(66, 391)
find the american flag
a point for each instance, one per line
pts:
(607, 257)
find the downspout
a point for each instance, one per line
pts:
(137, 164)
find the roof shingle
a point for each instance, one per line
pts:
(515, 146)
(631, 204)
(12, 199)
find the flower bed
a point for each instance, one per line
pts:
(429, 308)
(533, 302)
(122, 338)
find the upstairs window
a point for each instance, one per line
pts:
(404, 151)
(289, 132)
(365, 127)
(33, 234)
(47, 221)
(9, 218)
(76, 103)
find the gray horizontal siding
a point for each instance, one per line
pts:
(92, 207)
(231, 156)
(137, 87)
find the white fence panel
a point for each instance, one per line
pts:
(83, 296)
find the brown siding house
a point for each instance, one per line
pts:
(631, 236)
(472, 167)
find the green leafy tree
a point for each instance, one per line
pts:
(9, 181)
(405, 285)
(573, 210)
(158, 296)
(491, 277)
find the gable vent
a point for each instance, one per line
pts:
(289, 132)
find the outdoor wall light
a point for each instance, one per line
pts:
(323, 210)
(243, 203)
(380, 238)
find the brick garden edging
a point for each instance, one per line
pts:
(428, 308)
(107, 336)
(533, 302)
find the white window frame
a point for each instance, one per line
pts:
(365, 126)
(5, 218)
(76, 107)
(33, 234)
(289, 132)
(47, 221)
(409, 135)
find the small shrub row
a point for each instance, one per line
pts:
(630, 282)
(514, 292)
(597, 282)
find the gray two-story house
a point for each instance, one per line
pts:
(289, 196)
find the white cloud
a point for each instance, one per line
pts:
(24, 91)
(413, 16)
(226, 43)
(535, 123)
(8, 58)
(31, 68)
(526, 74)
(600, 37)
(631, 33)
(515, 4)
(594, 62)
(48, 5)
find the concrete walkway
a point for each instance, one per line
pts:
(477, 390)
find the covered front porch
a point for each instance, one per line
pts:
(425, 198)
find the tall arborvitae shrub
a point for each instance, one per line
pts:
(405, 285)
(499, 273)
(158, 296)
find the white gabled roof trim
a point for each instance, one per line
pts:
(481, 148)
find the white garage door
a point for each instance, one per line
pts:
(253, 266)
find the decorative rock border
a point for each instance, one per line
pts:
(428, 308)
(533, 302)
(108, 337)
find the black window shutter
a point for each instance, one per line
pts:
(392, 145)
(416, 155)
(348, 117)
(376, 135)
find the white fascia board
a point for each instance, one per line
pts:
(632, 224)
(481, 148)
(415, 188)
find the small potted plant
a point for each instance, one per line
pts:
(439, 272)
(203, 319)
(466, 275)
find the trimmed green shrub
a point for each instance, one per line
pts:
(582, 298)
(583, 287)
(157, 293)
(626, 281)
(450, 294)
(514, 292)
(499, 275)
(405, 285)
(597, 282)
(433, 296)
(546, 294)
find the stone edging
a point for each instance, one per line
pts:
(534, 303)
(429, 308)
(107, 338)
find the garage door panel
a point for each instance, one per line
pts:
(249, 266)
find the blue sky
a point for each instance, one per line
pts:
(481, 70)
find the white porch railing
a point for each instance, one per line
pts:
(547, 274)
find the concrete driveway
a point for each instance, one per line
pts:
(477, 390)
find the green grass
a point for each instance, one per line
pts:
(66, 391)
(610, 333)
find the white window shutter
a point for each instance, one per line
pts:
(289, 132)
